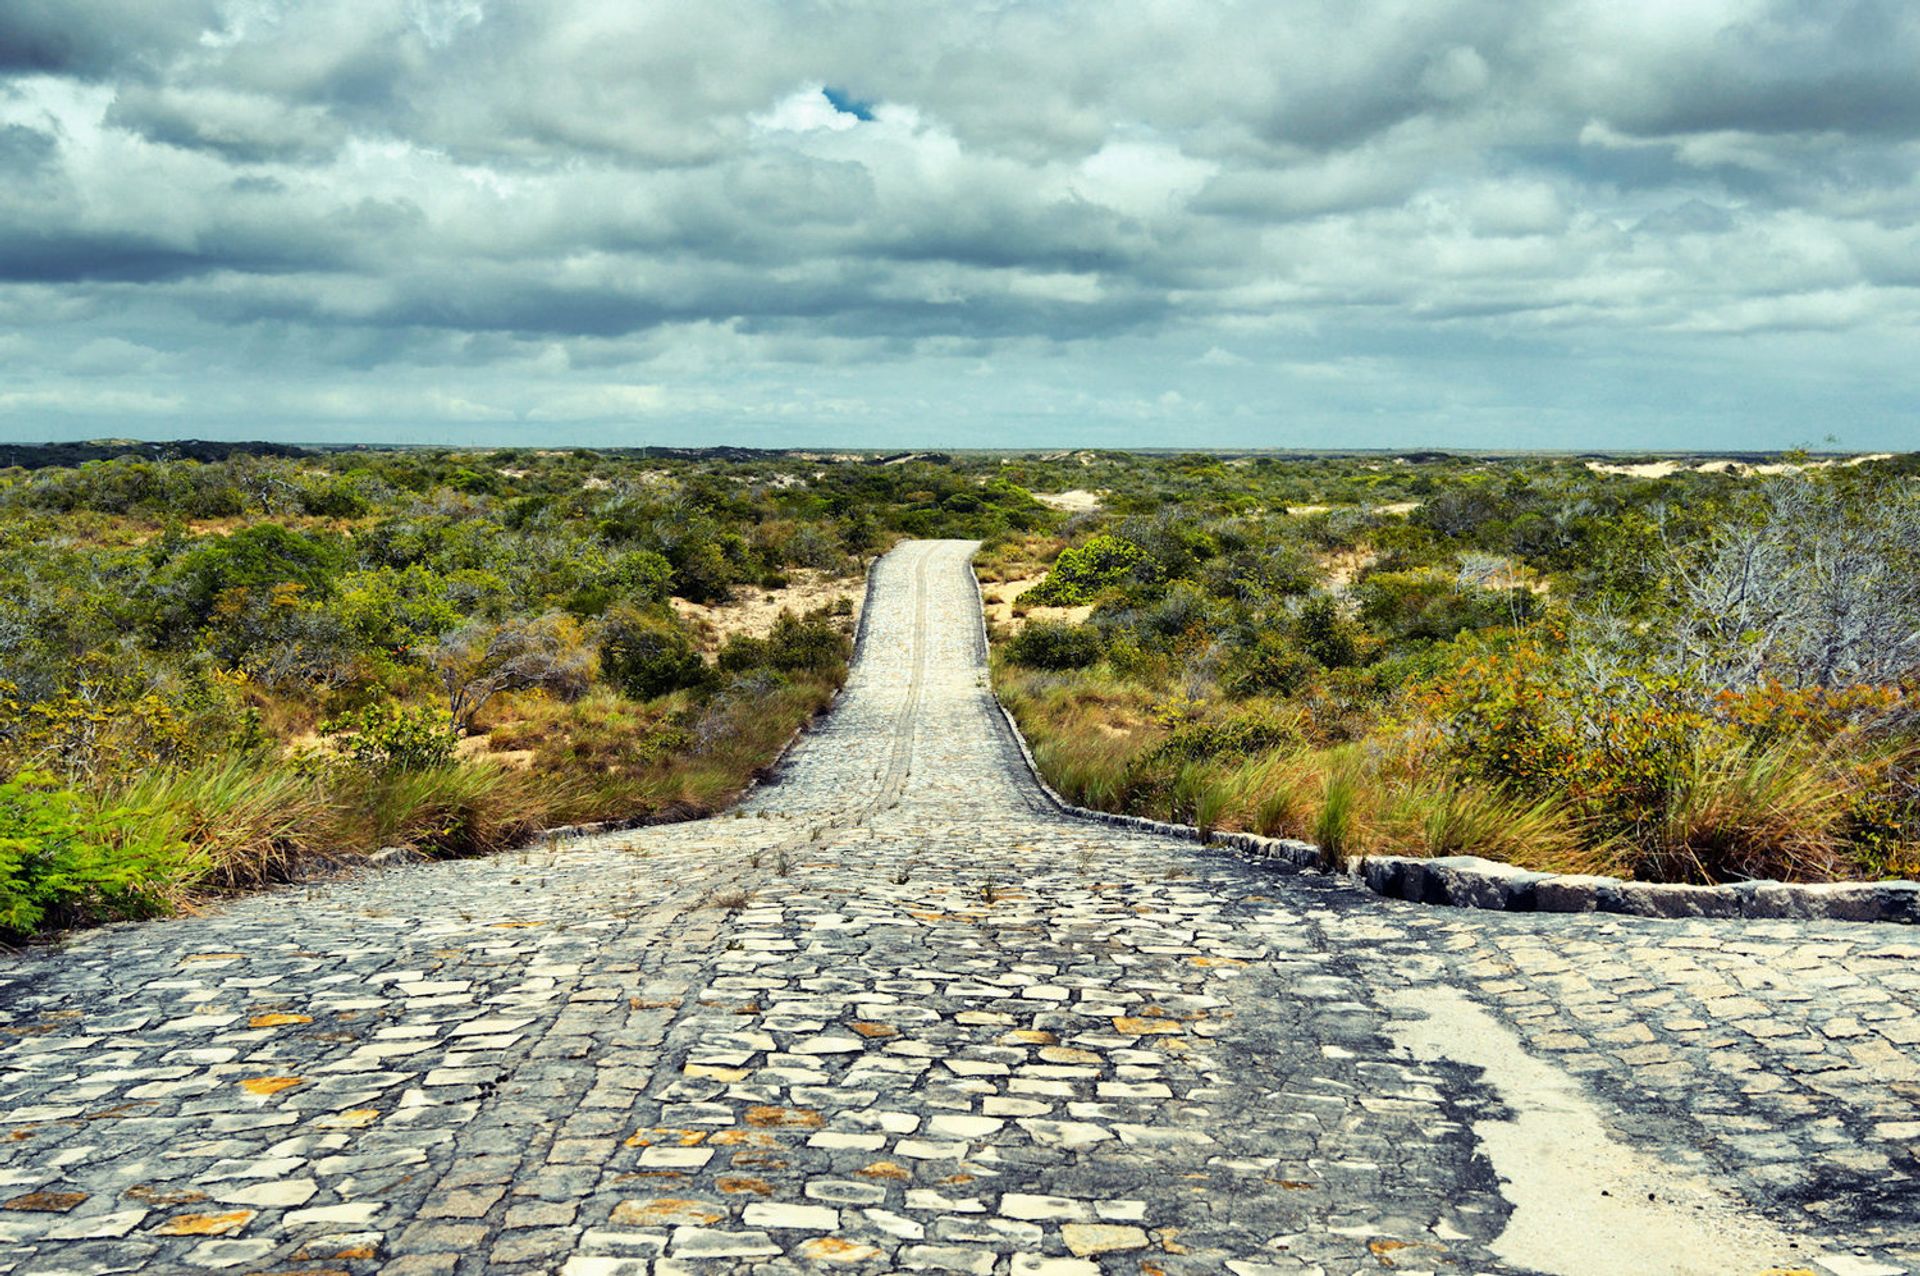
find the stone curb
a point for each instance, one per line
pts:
(1467, 881)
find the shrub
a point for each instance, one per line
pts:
(600, 734)
(1045, 644)
(478, 661)
(1084, 570)
(1270, 665)
(1238, 735)
(388, 736)
(1324, 632)
(1423, 605)
(61, 862)
(813, 645)
(647, 654)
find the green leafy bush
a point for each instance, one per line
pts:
(1323, 631)
(387, 736)
(648, 654)
(1083, 571)
(1046, 644)
(1238, 735)
(1270, 665)
(809, 645)
(61, 862)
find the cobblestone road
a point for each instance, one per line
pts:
(895, 1014)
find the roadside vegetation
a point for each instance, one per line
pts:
(231, 667)
(223, 666)
(1673, 673)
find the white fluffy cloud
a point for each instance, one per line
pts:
(1585, 222)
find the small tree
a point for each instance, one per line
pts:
(648, 654)
(479, 660)
(1811, 584)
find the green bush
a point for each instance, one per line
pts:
(1269, 666)
(1046, 644)
(813, 645)
(648, 654)
(1326, 634)
(1422, 605)
(1238, 736)
(1083, 571)
(60, 862)
(385, 736)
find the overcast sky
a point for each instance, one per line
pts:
(1591, 223)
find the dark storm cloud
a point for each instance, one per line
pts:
(24, 151)
(1809, 66)
(572, 200)
(96, 37)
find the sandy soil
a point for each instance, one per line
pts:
(753, 611)
(1341, 566)
(475, 745)
(1661, 469)
(1000, 597)
(1397, 507)
(1585, 1203)
(1077, 500)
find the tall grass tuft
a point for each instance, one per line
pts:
(1443, 817)
(247, 819)
(1283, 801)
(1335, 825)
(1746, 811)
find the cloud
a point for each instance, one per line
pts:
(744, 210)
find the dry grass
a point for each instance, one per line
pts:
(1734, 812)
(1748, 812)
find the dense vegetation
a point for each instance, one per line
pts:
(1700, 676)
(219, 667)
(216, 672)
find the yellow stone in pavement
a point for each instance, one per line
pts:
(831, 1249)
(737, 1184)
(351, 1119)
(802, 1118)
(714, 1072)
(1030, 1037)
(1068, 1054)
(742, 1139)
(1129, 1026)
(270, 1085)
(876, 1029)
(885, 1170)
(205, 1224)
(46, 1202)
(667, 1209)
(211, 957)
(1087, 1239)
(277, 1020)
